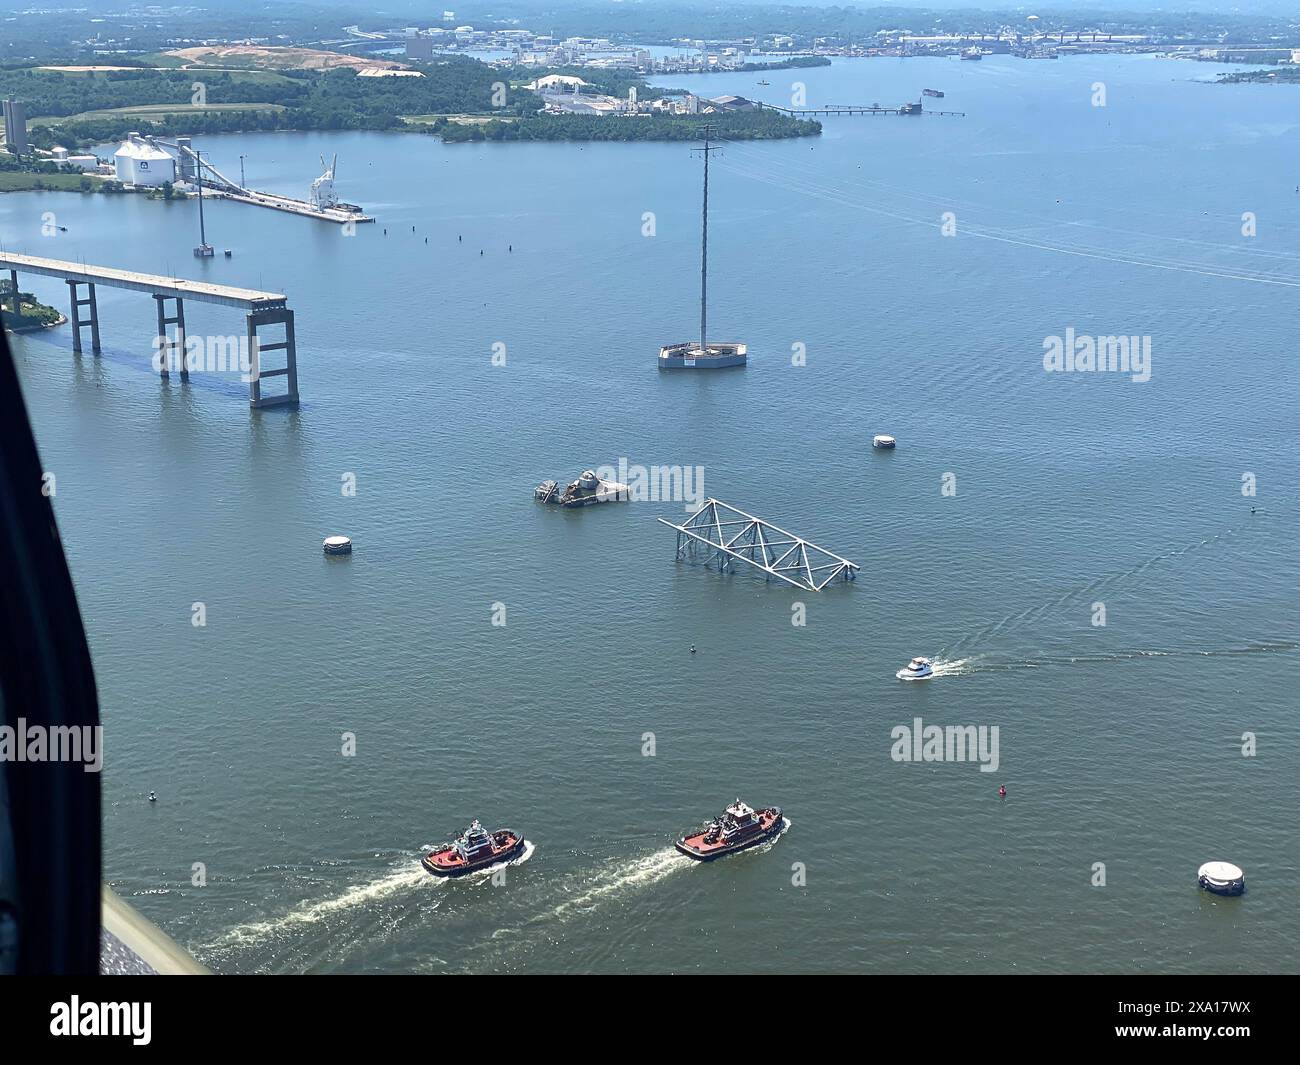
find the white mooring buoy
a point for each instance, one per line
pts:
(338, 545)
(1223, 878)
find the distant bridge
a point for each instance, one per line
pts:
(262, 309)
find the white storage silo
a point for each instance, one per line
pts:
(140, 163)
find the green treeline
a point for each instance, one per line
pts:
(605, 82)
(50, 93)
(32, 313)
(330, 99)
(335, 99)
(1280, 74)
(787, 64)
(737, 125)
(341, 100)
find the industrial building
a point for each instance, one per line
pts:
(15, 116)
(557, 83)
(419, 48)
(733, 103)
(142, 164)
(66, 160)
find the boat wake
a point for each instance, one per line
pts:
(1101, 586)
(952, 667)
(989, 663)
(767, 845)
(402, 878)
(620, 877)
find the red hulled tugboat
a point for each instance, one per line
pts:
(738, 827)
(476, 849)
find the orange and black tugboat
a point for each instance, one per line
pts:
(476, 849)
(738, 827)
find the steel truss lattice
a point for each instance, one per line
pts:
(728, 535)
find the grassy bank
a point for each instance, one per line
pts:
(25, 181)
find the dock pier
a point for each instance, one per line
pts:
(262, 309)
(291, 206)
(860, 109)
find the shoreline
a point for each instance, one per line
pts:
(36, 327)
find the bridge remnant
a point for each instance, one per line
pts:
(261, 309)
(728, 535)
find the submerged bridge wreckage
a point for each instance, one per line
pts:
(729, 535)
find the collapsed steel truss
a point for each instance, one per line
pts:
(730, 535)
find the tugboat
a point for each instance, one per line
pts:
(583, 492)
(476, 849)
(917, 669)
(972, 53)
(739, 827)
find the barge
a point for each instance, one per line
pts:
(587, 490)
(690, 356)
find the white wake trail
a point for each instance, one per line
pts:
(405, 878)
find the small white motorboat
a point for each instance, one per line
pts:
(1223, 878)
(883, 441)
(917, 669)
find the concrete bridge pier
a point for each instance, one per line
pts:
(78, 322)
(263, 309)
(264, 317)
(166, 344)
(13, 281)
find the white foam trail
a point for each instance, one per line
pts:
(401, 879)
(992, 664)
(954, 667)
(1135, 574)
(636, 874)
(766, 846)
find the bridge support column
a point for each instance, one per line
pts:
(13, 281)
(166, 345)
(256, 349)
(91, 321)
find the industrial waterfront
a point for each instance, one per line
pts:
(1120, 744)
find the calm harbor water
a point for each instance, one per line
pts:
(1119, 744)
